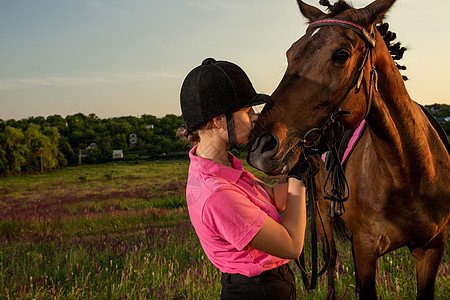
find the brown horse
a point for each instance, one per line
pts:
(398, 173)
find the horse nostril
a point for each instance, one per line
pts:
(268, 144)
(261, 154)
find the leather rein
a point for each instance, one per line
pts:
(332, 130)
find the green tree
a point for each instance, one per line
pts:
(67, 150)
(94, 155)
(446, 127)
(4, 165)
(44, 152)
(55, 138)
(39, 120)
(169, 125)
(443, 112)
(119, 141)
(14, 150)
(59, 122)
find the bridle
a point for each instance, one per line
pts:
(369, 40)
(331, 130)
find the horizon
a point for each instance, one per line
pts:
(114, 58)
(258, 109)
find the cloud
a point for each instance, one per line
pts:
(65, 80)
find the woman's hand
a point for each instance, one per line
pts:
(285, 240)
(303, 169)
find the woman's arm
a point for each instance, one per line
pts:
(277, 192)
(285, 240)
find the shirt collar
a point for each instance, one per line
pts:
(212, 168)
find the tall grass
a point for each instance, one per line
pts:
(122, 232)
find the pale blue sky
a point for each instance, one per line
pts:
(119, 58)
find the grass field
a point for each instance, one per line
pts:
(122, 231)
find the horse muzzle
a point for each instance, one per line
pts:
(262, 152)
(266, 153)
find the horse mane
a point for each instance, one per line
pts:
(395, 48)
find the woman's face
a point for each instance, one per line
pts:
(244, 121)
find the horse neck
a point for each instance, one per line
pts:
(398, 127)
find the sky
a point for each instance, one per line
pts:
(121, 58)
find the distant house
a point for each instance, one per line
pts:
(447, 119)
(117, 154)
(133, 140)
(435, 109)
(83, 153)
(150, 126)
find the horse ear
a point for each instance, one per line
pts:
(310, 12)
(373, 13)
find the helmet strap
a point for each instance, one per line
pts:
(231, 132)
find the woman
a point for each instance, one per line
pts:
(234, 214)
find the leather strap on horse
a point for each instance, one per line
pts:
(331, 128)
(312, 205)
(367, 37)
(337, 193)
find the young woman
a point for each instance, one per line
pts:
(234, 214)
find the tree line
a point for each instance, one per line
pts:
(38, 143)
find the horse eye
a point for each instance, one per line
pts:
(341, 56)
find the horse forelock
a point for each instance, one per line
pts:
(336, 8)
(343, 10)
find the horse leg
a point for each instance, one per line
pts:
(331, 273)
(428, 258)
(366, 263)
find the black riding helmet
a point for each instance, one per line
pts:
(215, 88)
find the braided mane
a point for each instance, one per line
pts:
(395, 48)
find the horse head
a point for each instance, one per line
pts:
(330, 78)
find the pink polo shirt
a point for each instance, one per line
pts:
(227, 208)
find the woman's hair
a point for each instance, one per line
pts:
(188, 135)
(191, 135)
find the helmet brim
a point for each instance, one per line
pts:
(258, 100)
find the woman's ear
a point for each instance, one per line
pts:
(220, 122)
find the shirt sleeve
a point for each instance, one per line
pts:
(233, 216)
